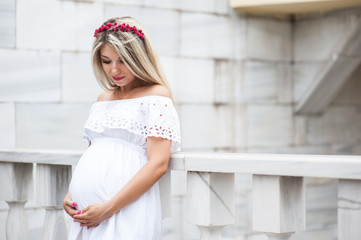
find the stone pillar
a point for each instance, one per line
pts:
(349, 209)
(52, 185)
(210, 201)
(165, 194)
(278, 205)
(16, 188)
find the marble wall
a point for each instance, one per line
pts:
(8, 26)
(235, 80)
(317, 39)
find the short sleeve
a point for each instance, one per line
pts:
(162, 121)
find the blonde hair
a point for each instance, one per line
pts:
(136, 53)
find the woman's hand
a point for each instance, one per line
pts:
(93, 215)
(69, 206)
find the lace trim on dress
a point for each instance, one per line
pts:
(145, 116)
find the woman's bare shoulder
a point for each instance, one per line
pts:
(158, 90)
(105, 96)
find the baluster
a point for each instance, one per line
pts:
(165, 194)
(278, 205)
(349, 209)
(52, 183)
(210, 200)
(16, 188)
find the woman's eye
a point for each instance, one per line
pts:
(106, 62)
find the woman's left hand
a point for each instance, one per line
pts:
(93, 215)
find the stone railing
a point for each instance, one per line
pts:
(53, 173)
(278, 190)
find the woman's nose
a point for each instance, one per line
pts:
(115, 68)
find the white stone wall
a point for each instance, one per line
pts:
(235, 80)
(337, 128)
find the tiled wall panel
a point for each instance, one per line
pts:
(78, 82)
(36, 28)
(191, 80)
(350, 92)
(78, 23)
(206, 35)
(212, 6)
(316, 39)
(304, 74)
(338, 124)
(8, 23)
(269, 125)
(51, 126)
(206, 127)
(30, 76)
(260, 80)
(7, 125)
(269, 39)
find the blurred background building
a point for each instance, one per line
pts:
(247, 76)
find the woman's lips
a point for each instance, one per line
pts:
(117, 78)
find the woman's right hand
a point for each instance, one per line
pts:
(69, 206)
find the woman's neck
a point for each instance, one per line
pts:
(129, 89)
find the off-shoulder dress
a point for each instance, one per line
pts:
(118, 132)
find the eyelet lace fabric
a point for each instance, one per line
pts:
(144, 116)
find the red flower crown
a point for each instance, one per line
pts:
(123, 27)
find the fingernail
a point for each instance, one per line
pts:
(74, 204)
(88, 227)
(79, 212)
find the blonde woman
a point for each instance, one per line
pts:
(132, 129)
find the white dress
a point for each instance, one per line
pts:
(118, 132)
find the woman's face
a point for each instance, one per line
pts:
(114, 67)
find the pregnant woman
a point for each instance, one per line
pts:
(132, 129)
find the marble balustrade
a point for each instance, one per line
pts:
(278, 190)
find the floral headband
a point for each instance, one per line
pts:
(123, 28)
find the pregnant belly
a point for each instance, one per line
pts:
(103, 169)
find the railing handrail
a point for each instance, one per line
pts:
(57, 157)
(299, 165)
(278, 202)
(327, 166)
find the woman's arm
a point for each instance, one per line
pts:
(158, 151)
